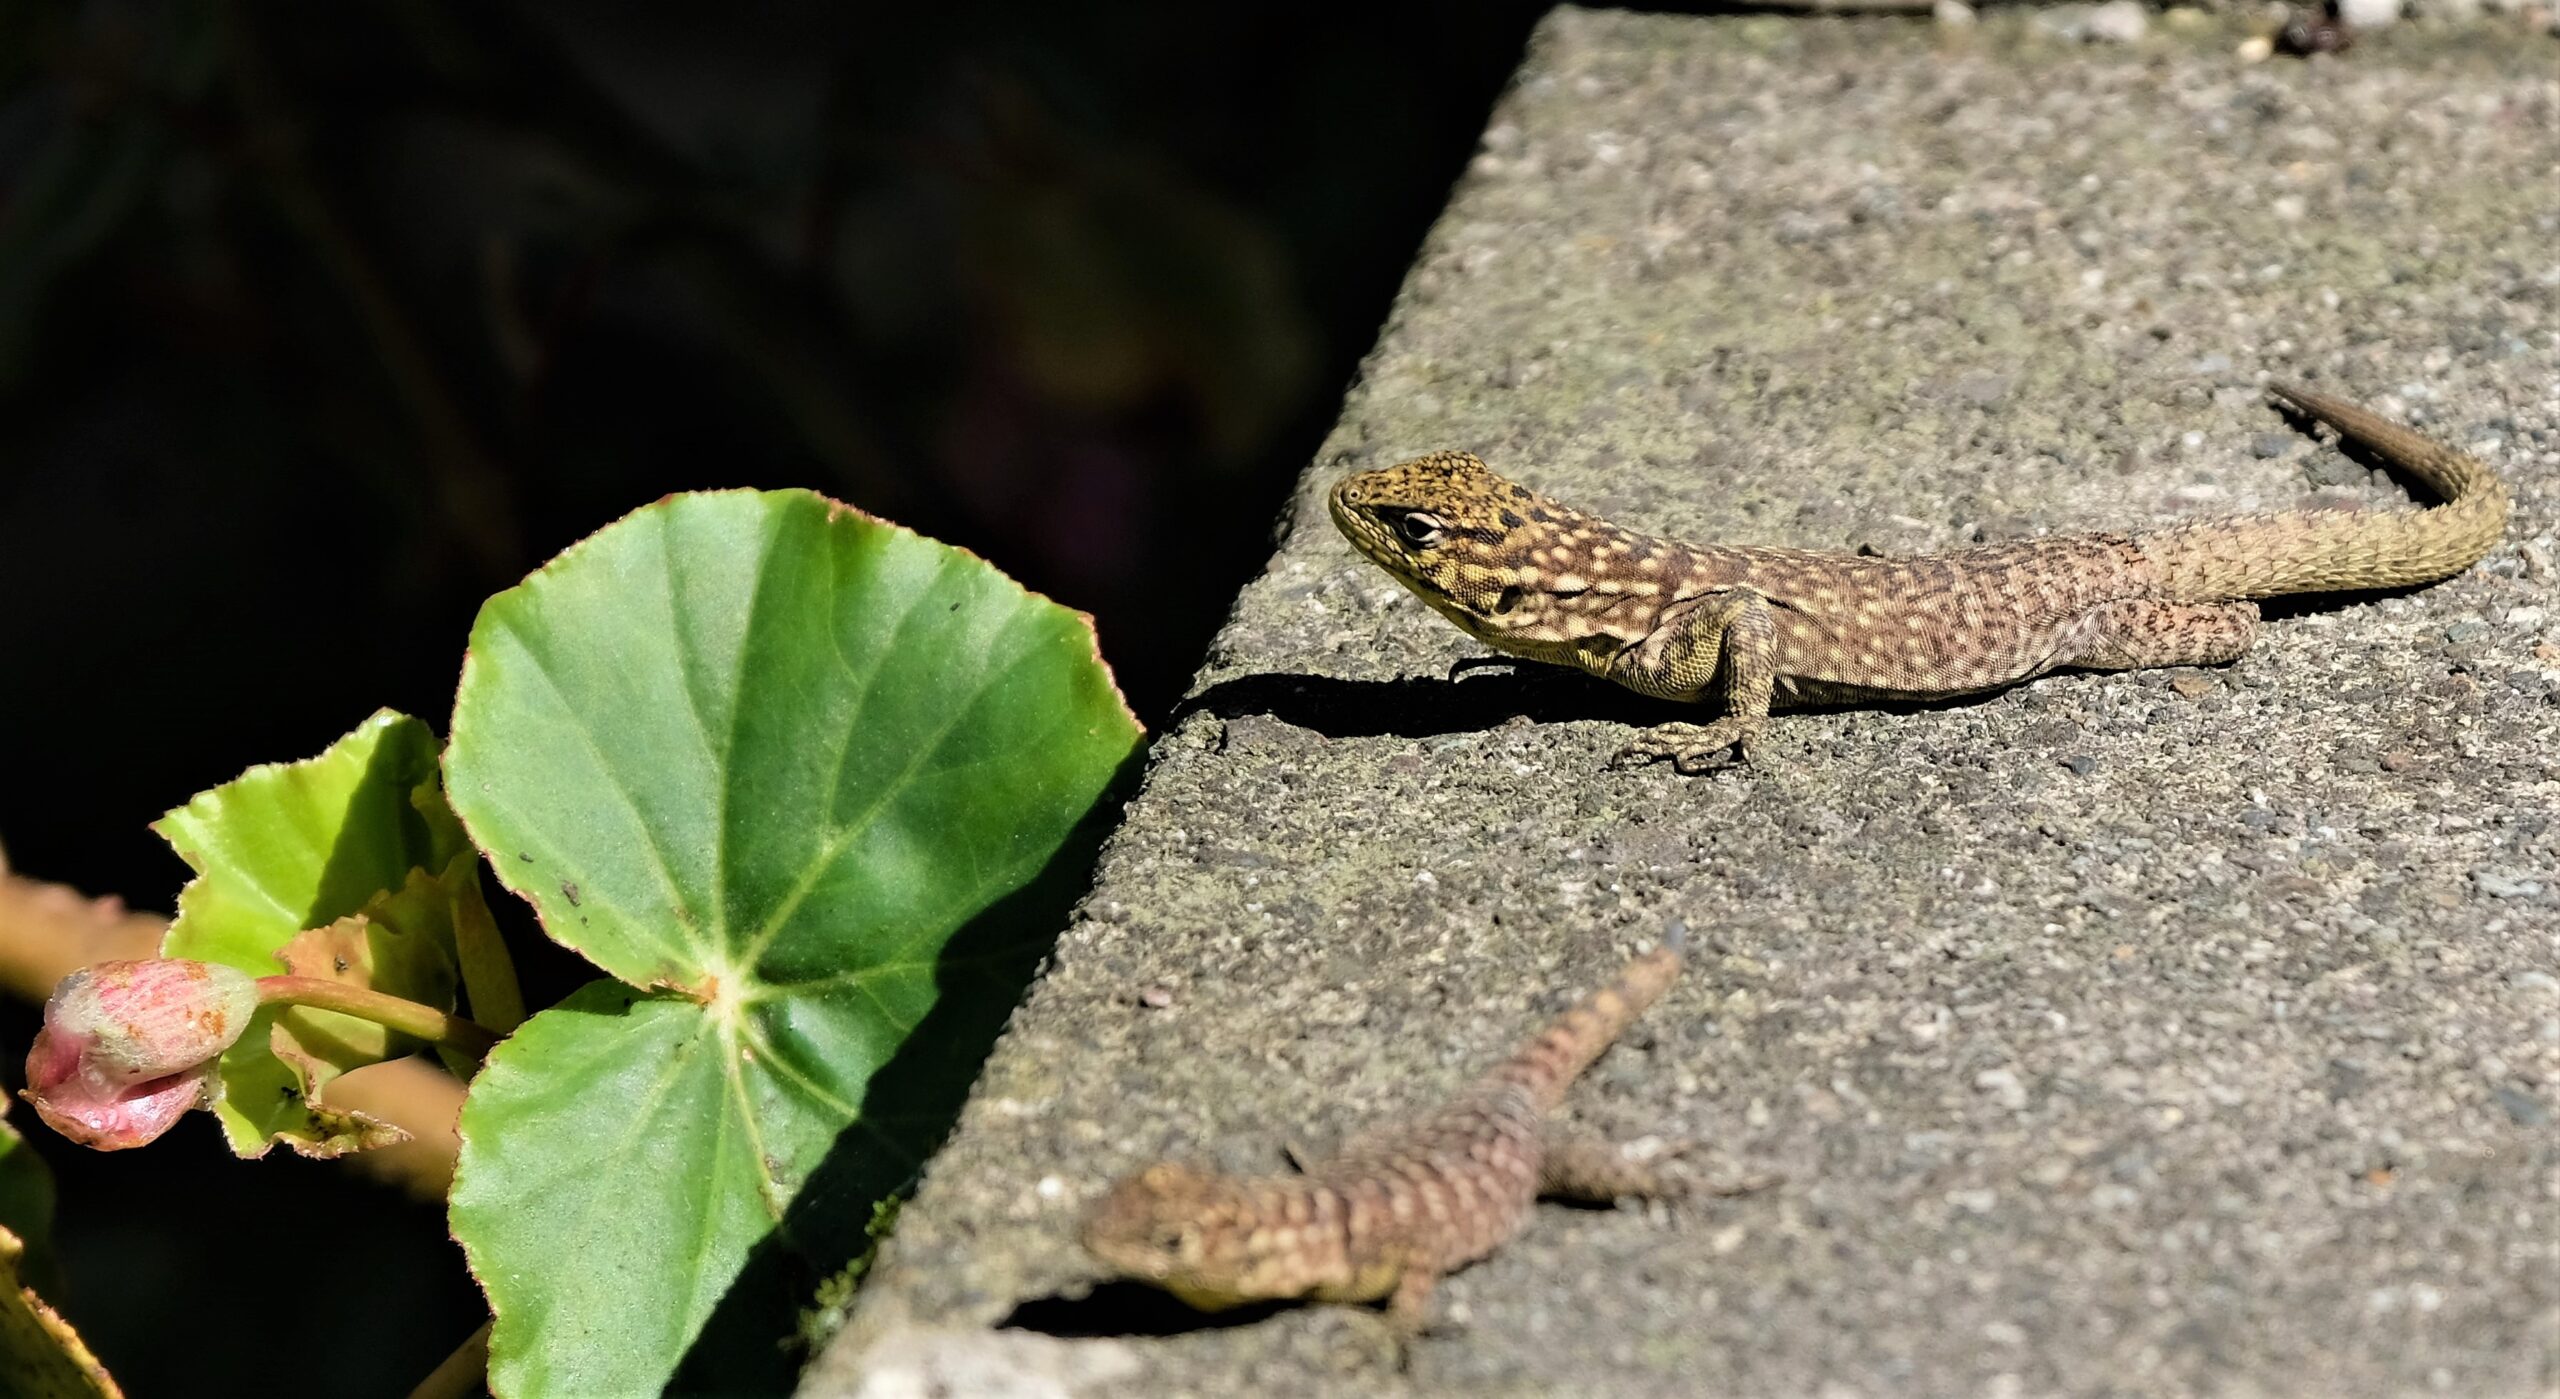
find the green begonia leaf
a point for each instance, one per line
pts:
(361, 831)
(785, 771)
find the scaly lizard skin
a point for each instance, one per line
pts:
(1397, 1209)
(1757, 626)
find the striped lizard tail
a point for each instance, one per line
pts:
(2254, 556)
(1549, 1063)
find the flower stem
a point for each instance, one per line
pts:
(408, 1017)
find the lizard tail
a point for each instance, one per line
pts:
(1549, 1063)
(2338, 551)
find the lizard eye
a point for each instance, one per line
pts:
(1419, 528)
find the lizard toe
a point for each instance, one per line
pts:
(1695, 764)
(1691, 749)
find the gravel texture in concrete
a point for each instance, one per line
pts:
(2165, 1032)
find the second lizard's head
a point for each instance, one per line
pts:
(1195, 1234)
(1509, 566)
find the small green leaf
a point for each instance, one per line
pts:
(777, 766)
(360, 830)
(41, 1357)
(26, 1205)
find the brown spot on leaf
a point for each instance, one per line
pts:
(342, 951)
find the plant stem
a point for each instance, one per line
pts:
(408, 1017)
(462, 1374)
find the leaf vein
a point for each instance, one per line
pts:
(836, 844)
(685, 681)
(733, 1067)
(810, 1088)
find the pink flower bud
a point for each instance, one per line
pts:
(128, 1047)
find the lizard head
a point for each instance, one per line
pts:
(1185, 1230)
(1512, 568)
(1450, 529)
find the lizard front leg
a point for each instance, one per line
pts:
(1588, 1170)
(1730, 630)
(1389, 1335)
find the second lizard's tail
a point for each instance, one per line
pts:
(2338, 551)
(1548, 1064)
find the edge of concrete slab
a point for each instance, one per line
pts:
(2132, 1033)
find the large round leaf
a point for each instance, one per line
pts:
(777, 767)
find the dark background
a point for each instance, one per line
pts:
(321, 322)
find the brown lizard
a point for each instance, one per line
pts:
(1396, 1209)
(1756, 626)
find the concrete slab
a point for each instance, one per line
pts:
(2168, 1032)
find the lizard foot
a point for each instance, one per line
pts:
(1690, 1185)
(1688, 1180)
(1593, 1171)
(1380, 1341)
(1692, 748)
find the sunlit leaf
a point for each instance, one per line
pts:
(359, 832)
(777, 767)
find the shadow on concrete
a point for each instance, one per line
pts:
(1127, 1309)
(1422, 707)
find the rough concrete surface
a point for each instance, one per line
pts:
(2152, 1033)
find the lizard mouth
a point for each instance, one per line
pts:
(1365, 531)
